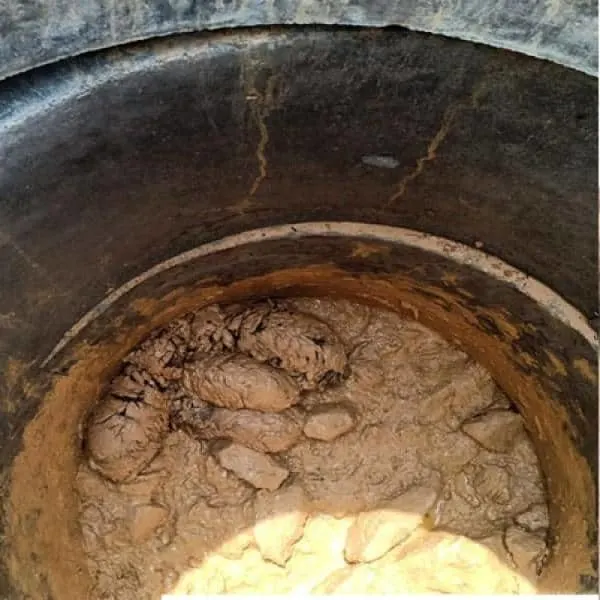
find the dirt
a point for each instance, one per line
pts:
(307, 446)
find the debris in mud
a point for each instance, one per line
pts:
(258, 469)
(496, 430)
(280, 519)
(307, 446)
(328, 423)
(376, 532)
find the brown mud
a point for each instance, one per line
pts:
(306, 445)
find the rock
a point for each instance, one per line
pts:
(280, 519)
(264, 432)
(256, 468)
(123, 436)
(236, 381)
(301, 344)
(375, 533)
(147, 519)
(527, 550)
(458, 515)
(223, 488)
(325, 536)
(496, 430)
(535, 519)
(328, 423)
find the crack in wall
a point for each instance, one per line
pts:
(261, 103)
(448, 121)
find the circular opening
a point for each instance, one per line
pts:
(42, 524)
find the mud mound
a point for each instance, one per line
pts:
(307, 445)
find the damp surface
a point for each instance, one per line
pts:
(306, 445)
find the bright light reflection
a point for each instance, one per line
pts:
(428, 562)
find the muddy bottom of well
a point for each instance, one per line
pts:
(312, 446)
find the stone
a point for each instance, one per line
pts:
(373, 534)
(462, 485)
(147, 520)
(328, 423)
(527, 550)
(325, 536)
(264, 432)
(280, 519)
(535, 519)
(258, 469)
(477, 502)
(261, 431)
(236, 381)
(496, 430)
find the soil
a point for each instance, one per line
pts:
(307, 445)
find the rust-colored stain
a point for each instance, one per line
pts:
(450, 278)
(15, 384)
(586, 369)
(558, 367)
(363, 250)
